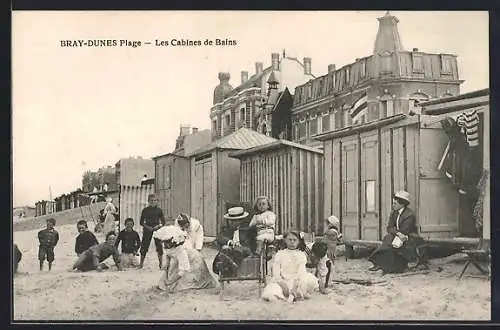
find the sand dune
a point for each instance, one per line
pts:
(128, 295)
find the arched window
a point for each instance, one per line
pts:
(386, 105)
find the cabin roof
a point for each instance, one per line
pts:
(243, 138)
(271, 146)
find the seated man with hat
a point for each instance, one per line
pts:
(399, 246)
(236, 242)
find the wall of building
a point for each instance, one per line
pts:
(130, 171)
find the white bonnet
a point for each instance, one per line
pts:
(166, 233)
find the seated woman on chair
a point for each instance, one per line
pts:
(399, 246)
(236, 241)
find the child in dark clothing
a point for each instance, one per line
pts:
(48, 239)
(130, 244)
(85, 239)
(322, 264)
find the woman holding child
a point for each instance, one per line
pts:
(185, 267)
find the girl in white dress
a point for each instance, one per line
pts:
(265, 221)
(109, 213)
(290, 280)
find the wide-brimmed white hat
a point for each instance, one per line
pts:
(171, 232)
(403, 195)
(333, 221)
(236, 213)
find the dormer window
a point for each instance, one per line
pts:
(362, 69)
(347, 75)
(418, 63)
(446, 64)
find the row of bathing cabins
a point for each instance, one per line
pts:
(341, 144)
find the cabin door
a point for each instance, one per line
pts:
(370, 187)
(203, 201)
(350, 170)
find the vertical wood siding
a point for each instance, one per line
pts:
(292, 179)
(132, 200)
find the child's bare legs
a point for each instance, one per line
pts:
(260, 245)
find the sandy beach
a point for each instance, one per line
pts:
(128, 295)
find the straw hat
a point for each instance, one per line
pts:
(236, 213)
(403, 195)
(333, 221)
(171, 232)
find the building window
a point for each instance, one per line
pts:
(339, 119)
(325, 125)
(163, 177)
(168, 178)
(363, 69)
(320, 89)
(347, 119)
(302, 130)
(386, 64)
(214, 127)
(313, 126)
(418, 63)
(227, 123)
(446, 64)
(370, 196)
(309, 91)
(347, 75)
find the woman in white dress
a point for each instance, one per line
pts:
(109, 216)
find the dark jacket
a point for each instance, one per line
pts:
(84, 241)
(407, 222)
(247, 235)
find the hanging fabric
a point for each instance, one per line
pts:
(478, 212)
(469, 122)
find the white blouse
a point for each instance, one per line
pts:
(289, 265)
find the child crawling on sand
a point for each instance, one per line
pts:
(48, 239)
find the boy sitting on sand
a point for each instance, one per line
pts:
(93, 258)
(130, 244)
(48, 239)
(85, 239)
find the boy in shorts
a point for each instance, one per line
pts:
(48, 239)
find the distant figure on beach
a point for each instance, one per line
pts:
(85, 238)
(130, 244)
(332, 236)
(94, 257)
(109, 213)
(185, 268)
(105, 187)
(17, 258)
(193, 229)
(48, 239)
(152, 219)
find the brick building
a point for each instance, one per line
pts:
(388, 82)
(104, 175)
(261, 102)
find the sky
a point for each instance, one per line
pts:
(81, 108)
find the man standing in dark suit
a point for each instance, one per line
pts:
(236, 241)
(399, 245)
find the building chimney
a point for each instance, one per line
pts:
(244, 76)
(388, 39)
(331, 68)
(259, 67)
(275, 61)
(307, 65)
(195, 130)
(184, 130)
(415, 49)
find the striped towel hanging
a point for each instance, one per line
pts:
(469, 120)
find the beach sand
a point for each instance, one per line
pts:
(128, 295)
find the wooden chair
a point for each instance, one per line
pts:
(480, 254)
(252, 268)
